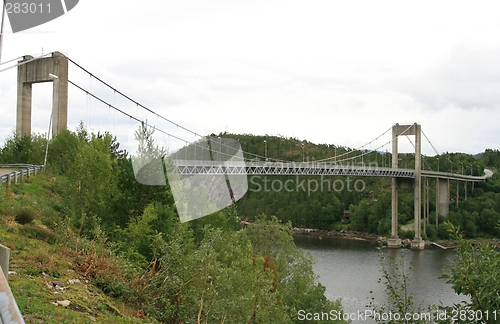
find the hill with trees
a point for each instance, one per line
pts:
(87, 218)
(367, 198)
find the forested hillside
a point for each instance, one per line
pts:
(319, 202)
(127, 240)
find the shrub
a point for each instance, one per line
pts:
(39, 233)
(115, 288)
(431, 232)
(407, 234)
(25, 216)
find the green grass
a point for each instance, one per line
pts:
(41, 255)
(37, 264)
(339, 226)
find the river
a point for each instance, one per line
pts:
(350, 269)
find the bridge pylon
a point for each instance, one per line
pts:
(48, 69)
(397, 130)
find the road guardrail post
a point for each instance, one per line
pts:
(4, 260)
(9, 311)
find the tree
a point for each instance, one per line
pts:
(134, 195)
(62, 151)
(359, 216)
(92, 183)
(296, 280)
(218, 280)
(137, 238)
(396, 278)
(148, 160)
(476, 273)
(29, 149)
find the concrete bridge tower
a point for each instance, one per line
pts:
(49, 69)
(398, 130)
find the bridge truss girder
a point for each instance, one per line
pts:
(185, 167)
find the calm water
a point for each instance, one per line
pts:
(350, 269)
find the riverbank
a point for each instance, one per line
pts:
(348, 234)
(382, 240)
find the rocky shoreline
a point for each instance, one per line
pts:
(353, 235)
(363, 236)
(382, 240)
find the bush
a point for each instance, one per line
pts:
(408, 235)
(431, 232)
(25, 216)
(114, 288)
(476, 273)
(39, 233)
(23, 149)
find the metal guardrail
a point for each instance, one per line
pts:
(9, 311)
(25, 170)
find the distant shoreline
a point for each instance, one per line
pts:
(382, 240)
(348, 234)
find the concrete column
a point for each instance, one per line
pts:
(60, 94)
(424, 198)
(394, 241)
(437, 204)
(417, 242)
(443, 197)
(427, 205)
(24, 95)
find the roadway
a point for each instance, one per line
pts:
(193, 167)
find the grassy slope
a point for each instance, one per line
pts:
(40, 256)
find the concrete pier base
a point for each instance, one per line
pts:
(394, 242)
(417, 244)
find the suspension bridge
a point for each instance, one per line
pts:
(54, 67)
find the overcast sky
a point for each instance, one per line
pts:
(336, 72)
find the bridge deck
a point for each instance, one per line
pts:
(451, 176)
(186, 167)
(193, 167)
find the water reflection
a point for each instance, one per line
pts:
(350, 269)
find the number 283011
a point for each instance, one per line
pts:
(26, 7)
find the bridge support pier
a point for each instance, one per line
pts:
(394, 241)
(443, 197)
(418, 243)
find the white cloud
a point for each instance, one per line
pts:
(326, 71)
